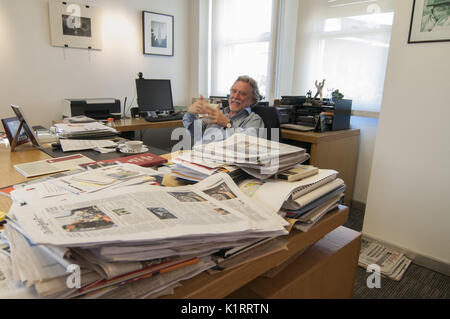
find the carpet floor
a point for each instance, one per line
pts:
(417, 282)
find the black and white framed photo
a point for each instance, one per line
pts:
(158, 33)
(75, 25)
(430, 21)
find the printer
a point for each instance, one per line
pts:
(98, 109)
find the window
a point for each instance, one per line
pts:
(345, 42)
(240, 43)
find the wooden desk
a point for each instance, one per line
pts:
(134, 124)
(221, 285)
(333, 150)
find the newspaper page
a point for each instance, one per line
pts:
(78, 145)
(73, 128)
(9, 287)
(241, 148)
(119, 175)
(53, 165)
(24, 253)
(143, 213)
(221, 187)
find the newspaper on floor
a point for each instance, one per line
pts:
(142, 214)
(393, 263)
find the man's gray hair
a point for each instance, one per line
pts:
(255, 92)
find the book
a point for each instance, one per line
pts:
(144, 160)
(297, 173)
(6, 191)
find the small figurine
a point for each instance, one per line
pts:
(308, 101)
(319, 87)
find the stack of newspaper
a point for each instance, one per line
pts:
(121, 230)
(84, 130)
(393, 264)
(188, 167)
(302, 202)
(258, 157)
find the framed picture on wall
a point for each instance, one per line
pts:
(158, 33)
(430, 21)
(75, 25)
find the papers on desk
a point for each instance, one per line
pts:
(258, 157)
(79, 119)
(68, 145)
(53, 165)
(123, 235)
(148, 214)
(83, 130)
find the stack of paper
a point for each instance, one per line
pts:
(393, 264)
(258, 157)
(84, 130)
(188, 167)
(302, 202)
(121, 235)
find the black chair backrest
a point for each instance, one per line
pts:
(270, 117)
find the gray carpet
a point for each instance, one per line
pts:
(417, 283)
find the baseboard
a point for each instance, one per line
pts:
(418, 259)
(358, 205)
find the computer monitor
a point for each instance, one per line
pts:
(154, 95)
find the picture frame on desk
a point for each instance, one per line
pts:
(430, 21)
(11, 124)
(158, 33)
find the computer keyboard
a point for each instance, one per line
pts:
(162, 118)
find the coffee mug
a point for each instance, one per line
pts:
(134, 146)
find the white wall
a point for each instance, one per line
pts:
(38, 76)
(408, 203)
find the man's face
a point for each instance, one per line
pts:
(240, 96)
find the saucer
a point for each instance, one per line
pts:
(125, 150)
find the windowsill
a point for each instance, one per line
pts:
(370, 114)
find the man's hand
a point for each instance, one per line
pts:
(216, 116)
(199, 107)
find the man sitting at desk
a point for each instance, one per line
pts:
(215, 124)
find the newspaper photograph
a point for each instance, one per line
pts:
(143, 213)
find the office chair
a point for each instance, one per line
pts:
(270, 117)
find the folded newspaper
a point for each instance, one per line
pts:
(122, 235)
(393, 263)
(258, 157)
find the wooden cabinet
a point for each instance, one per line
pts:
(336, 150)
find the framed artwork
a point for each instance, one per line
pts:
(430, 21)
(23, 123)
(158, 33)
(11, 124)
(75, 25)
